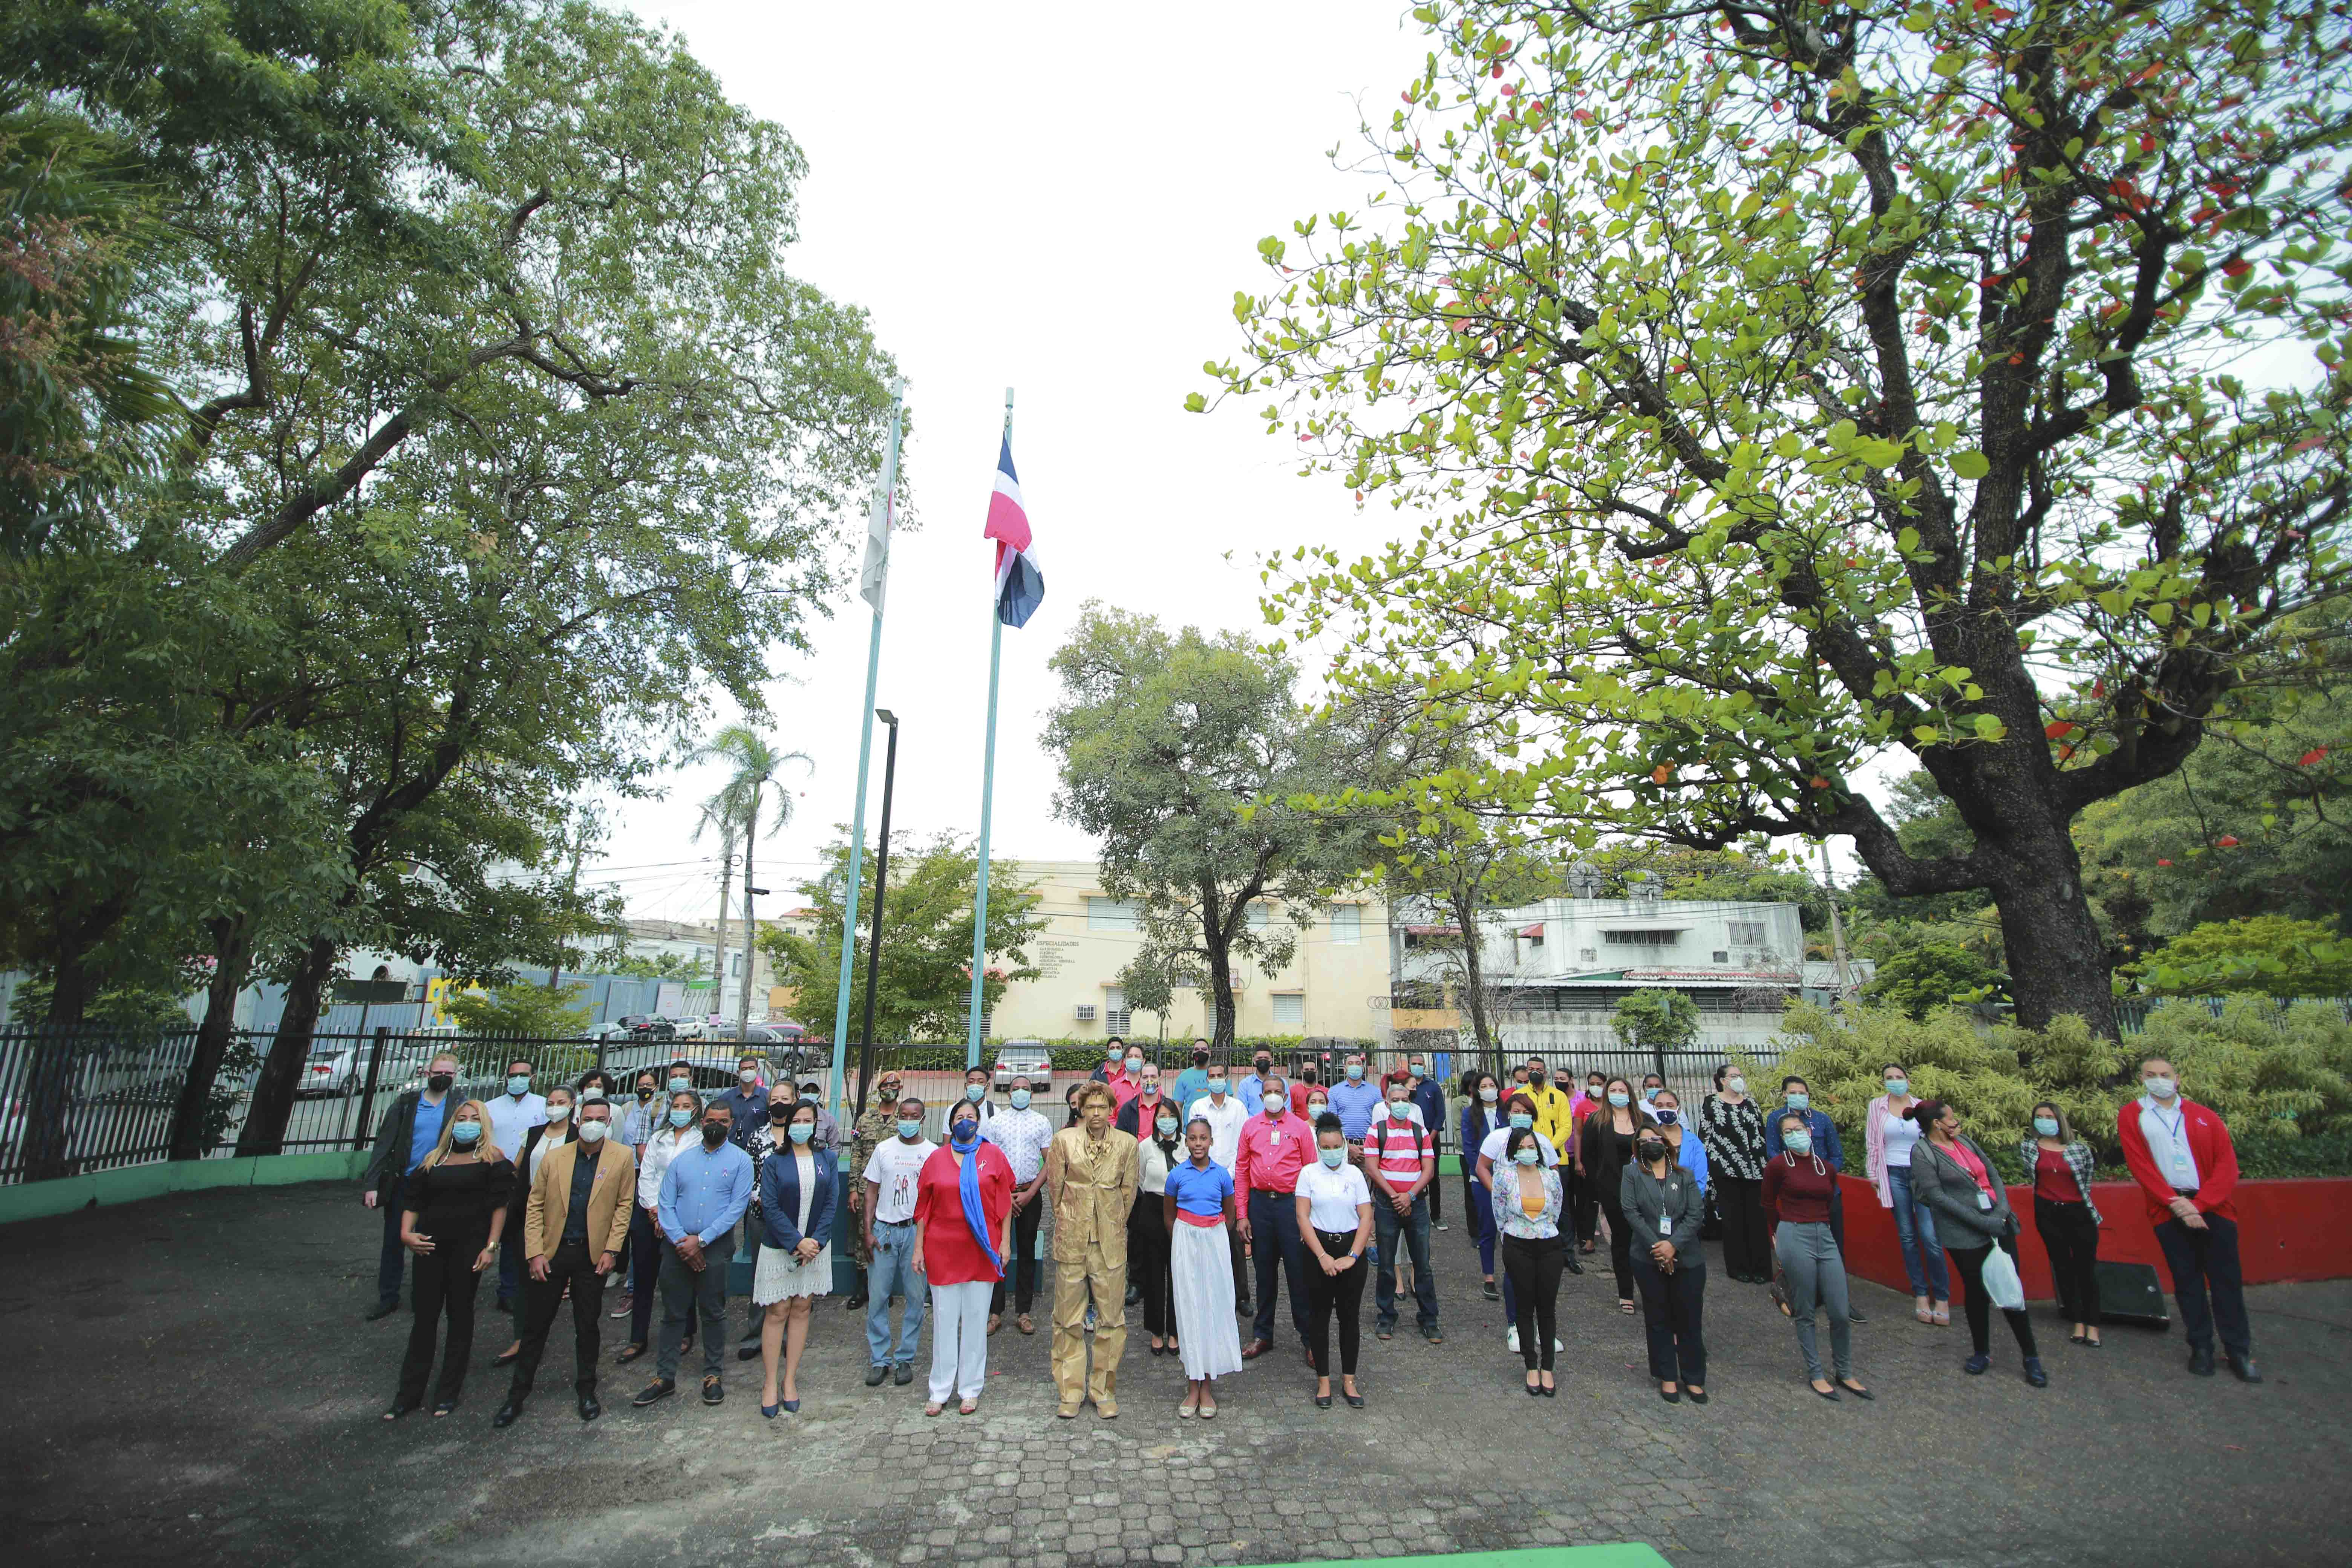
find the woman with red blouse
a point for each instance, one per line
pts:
(963, 1211)
(1798, 1188)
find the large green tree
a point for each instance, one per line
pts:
(1784, 383)
(1189, 759)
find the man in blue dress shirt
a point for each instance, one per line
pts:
(1353, 1097)
(703, 1194)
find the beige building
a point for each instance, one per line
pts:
(1336, 984)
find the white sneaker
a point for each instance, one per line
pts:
(1511, 1339)
(1556, 1347)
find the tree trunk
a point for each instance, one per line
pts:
(750, 946)
(1487, 1045)
(57, 1050)
(1220, 984)
(2057, 962)
(231, 957)
(273, 1093)
(726, 885)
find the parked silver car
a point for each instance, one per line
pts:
(1028, 1058)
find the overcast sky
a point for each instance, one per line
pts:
(1062, 199)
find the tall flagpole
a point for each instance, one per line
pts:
(878, 562)
(987, 801)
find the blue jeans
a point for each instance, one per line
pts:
(1915, 1227)
(1387, 1224)
(1482, 1227)
(388, 1263)
(892, 1273)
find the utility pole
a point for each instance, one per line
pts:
(881, 886)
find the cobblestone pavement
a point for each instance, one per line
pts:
(197, 1385)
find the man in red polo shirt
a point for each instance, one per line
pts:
(2181, 1154)
(1275, 1144)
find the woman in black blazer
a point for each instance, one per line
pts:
(543, 1138)
(798, 1186)
(1481, 1116)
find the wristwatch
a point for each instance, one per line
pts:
(494, 1248)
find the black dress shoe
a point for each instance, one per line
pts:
(904, 1375)
(2200, 1362)
(506, 1357)
(589, 1408)
(1854, 1315)
(1573, 1265)
(853, 1303)
(876, 1373)
(712, 1392)
(748, 1353)
(1490, 1291)
(661, 1388)
(2244, 1369)
(507, 1413)
(382, 1310)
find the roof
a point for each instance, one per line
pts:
(1432, 931)
(1535, 930)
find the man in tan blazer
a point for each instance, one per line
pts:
(574, 1231)
(1090, 1169)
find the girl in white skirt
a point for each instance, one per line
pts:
(797, 1187)
(1199, 1208)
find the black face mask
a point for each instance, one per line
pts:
(1538, 1079)
(1264, 1068)
(643, 1095)
(713, 1134)
(439, 1082)
(1650, 1149)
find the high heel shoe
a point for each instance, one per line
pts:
(1535, 1391)
(1322, 1402)
(769, 1410)
(399, 1407)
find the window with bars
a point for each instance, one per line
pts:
(1289, 1007)
(1109, 914)
(1639, 938)
(1347, 925)
(1259, 917)
(1115, 1011)
(1745, 933)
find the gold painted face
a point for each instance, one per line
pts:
(1098, 1116)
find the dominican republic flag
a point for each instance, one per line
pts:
(1020, 585)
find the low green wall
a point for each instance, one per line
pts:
(38, 1200)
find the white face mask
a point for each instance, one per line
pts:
(2161, 1088)
(1735, 1084)
(749, 1076)
(558, 1112)
(593, 1131)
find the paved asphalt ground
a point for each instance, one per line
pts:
(195, 1384)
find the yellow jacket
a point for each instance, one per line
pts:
(610, 1199)
(1551, 1116)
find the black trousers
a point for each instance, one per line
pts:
(573, 1265)
(1436, 1187)
(1340, 1294)
(1022, 1266)
(1147, 1263)
(1672, 1307)
(1620, 1245)
(1968, 1263)
(1534, 1267)
(1241, 1266)
(2203, 1260)
(445, 1282)
(2071, 1236)
(644, 1273)
(1275, 1249)
(1740, 1202)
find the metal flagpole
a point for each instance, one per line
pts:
(875, 576)
(987, 799)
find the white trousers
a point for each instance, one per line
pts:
(960, 1340)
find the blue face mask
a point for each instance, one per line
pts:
(518, 1084)
(972, 1091)
(1650, 1091)
(1798, 1099)
(1355, 1069)
(1797, 1142)
(910, 1130)
(1526, 1156)
(1521, 1118)
(1217, 1085)
(680, 1116)
(1668, 1117)
(1898, 1086)
(681, 1085)
(964, 1133)
(1619, 1099)
(1332, 1158)
(799, 1132)
(466, 1133)
(1020, 1099)
(2046, 1125)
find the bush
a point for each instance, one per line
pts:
(2282, 1081)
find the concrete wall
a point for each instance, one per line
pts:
(38, 1200)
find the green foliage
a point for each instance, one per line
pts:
(924, 981)
(660, 966)
(520, 1012)
(1655, 1020)
(1775, 390)
(1919, 970)
(2267, 954)
(1188, 758)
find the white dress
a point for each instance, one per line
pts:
(782, 1275)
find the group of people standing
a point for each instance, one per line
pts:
(1153, 1199)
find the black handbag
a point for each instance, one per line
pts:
(2131, 1293)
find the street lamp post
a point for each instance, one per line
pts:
(881, 884)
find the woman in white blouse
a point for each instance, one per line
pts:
(1527, 1200)
(1335, 1222)
(1888, 1138)
(670, 1135)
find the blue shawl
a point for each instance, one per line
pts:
(968, 1187)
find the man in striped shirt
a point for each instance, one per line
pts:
(1400, 1162)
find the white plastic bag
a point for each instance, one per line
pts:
(2003, 1289)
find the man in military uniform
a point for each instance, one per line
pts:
(877, 1127)
(1090, 1170)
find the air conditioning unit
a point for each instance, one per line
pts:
(1086, 1012)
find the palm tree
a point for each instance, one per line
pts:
(755, 766)
(714, 816)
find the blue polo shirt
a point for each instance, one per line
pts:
(426, 1132)
(1199, 1191)
(1352, 1101)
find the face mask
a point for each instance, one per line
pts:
(964, 1133)
(1619, 1098)
(1526, 1156)
(1217, 1086)
(1538, 1079)
(1797, 1142)
(1521, 1118)
(680, 1116)
(1134, 1065)
(1396, 1102)
(593, 1131)
(1150, 1090)
(1416, 1071)
(747, 1075)
(591, 1096)
(1111, 1057)
(1650, 1090)
(1199, 1058)
(1167, 1126)
(1488, 1093)
(779, 1112)
(1651, 1149)
(1277, 1102)
(2046, 1125)
(1667, 1118)
(1592, 1089)
(439, 1082)
(713, 1134)
(1316, 1107)
(1798, 1099)
(643, 1095)
(800, 1132)
(1020, 1099)
(518, 1084)
(1264, 1066)
(1332, 1158)
(1898, 1086)
(910, 1130)
(2162, 1088)
(466, 1133)
(1355, 1070)
(681, 1085)
(559, 1112)
(1735, 1084)
(972, 1091)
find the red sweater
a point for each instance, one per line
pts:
(2208, 1143)
(1795, 1192)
